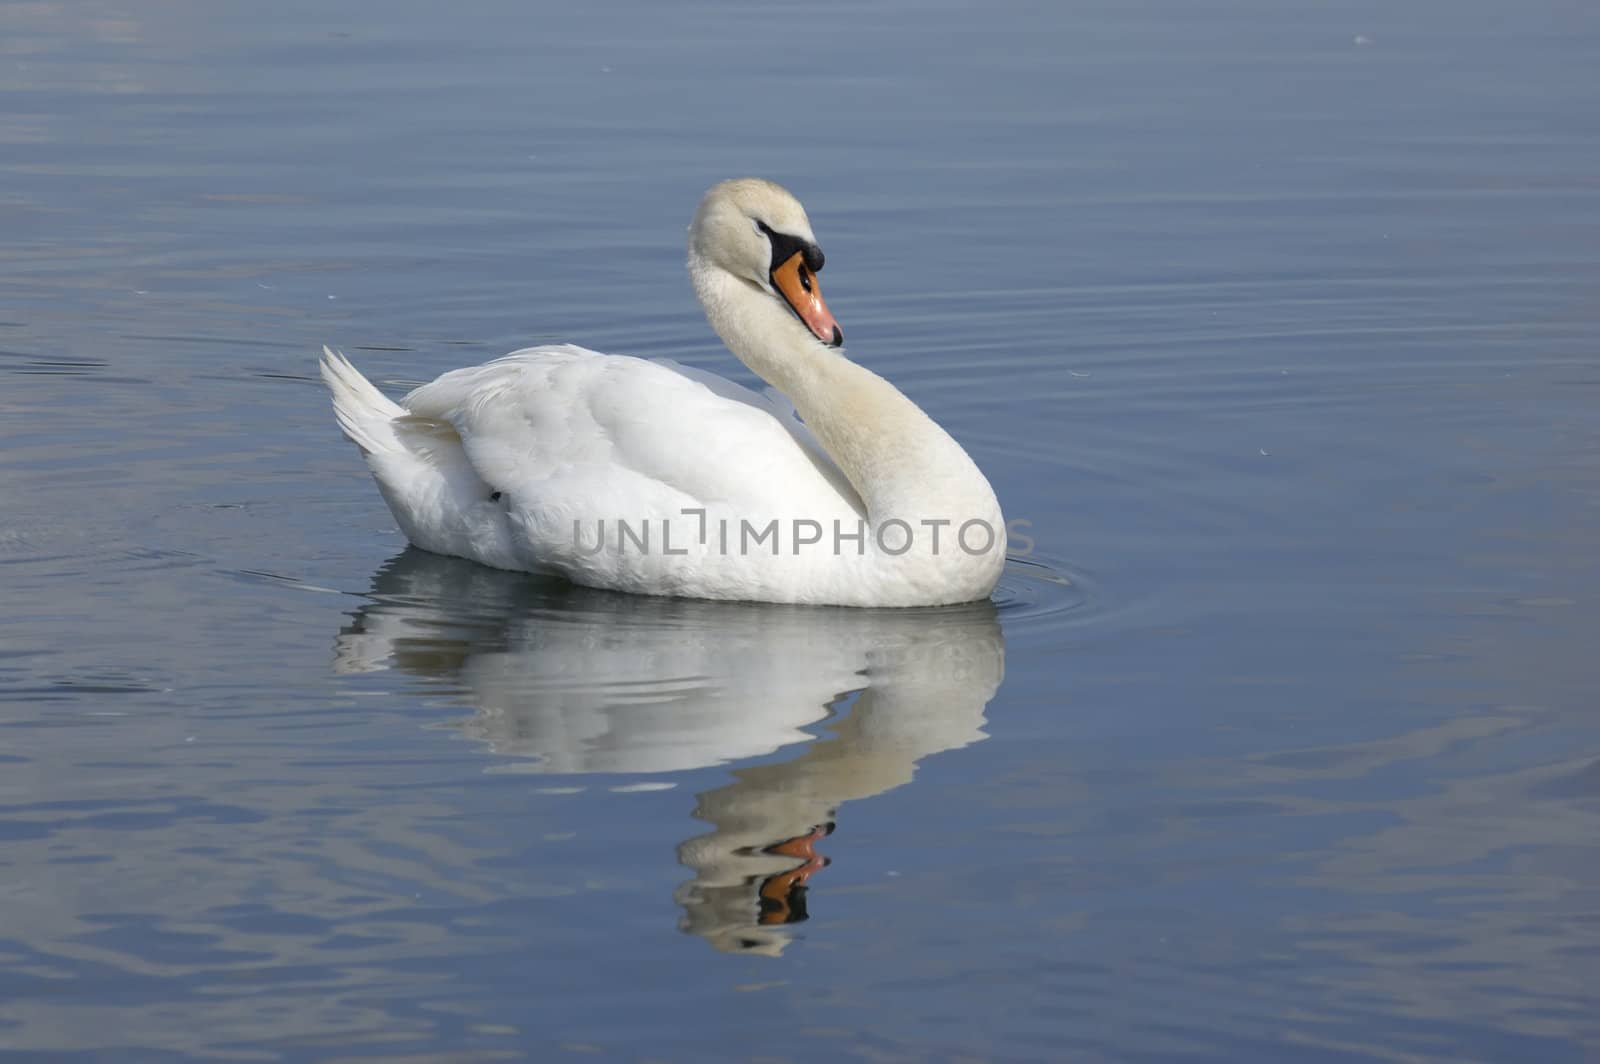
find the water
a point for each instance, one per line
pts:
(1277, 326)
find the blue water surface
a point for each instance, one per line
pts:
(1276, 325)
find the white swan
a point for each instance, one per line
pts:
(655, 478)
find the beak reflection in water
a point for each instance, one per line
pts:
(568, 681)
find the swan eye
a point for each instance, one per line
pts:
(785, 246)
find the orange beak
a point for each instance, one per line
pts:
(795, 281)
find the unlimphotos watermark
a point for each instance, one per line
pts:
(723, 535)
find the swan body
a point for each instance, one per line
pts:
(655, 478)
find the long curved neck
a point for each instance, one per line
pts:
(901, 463)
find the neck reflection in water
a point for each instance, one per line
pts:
(569, 681)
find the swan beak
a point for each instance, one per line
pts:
(796, 282)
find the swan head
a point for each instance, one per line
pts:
(757, 231)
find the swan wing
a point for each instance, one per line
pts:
(774, 403)
(620, 437)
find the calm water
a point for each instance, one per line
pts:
(1280, 327)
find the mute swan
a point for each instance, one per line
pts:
(655, 478)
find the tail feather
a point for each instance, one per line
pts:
(422, 469)
(366, 416)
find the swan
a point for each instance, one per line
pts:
(650, 477)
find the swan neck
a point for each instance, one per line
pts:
(901, 463)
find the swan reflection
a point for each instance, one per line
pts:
(567, 680)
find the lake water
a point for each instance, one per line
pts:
(1279, 326)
